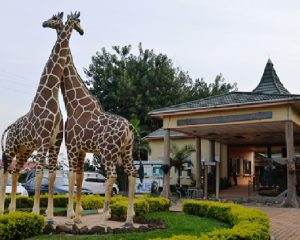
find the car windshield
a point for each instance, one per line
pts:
(62, 181)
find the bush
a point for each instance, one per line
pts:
(91, 202)
(157, 204)
(247, 224)
(20, 225)
(21, 202)
(141, 205)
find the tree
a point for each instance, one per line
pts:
(180, 157)
(201, 89)
(132, 85)
(140, 147)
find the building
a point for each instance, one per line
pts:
(228, 130)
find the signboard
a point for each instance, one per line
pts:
(225, 119)
(145, 187)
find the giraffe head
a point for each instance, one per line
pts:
(73, 18)
(56, 22)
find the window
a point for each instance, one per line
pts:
(235, 165)
(157, 171)
(246, 167)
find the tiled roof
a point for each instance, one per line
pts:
(270, 83)
(229, 99)
(159, 133)
(270, 89)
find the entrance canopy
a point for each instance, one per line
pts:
(239, 118)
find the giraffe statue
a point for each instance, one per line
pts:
(19, 144)
(42, 126)
(89, 129)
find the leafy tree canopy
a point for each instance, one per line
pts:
(131, 85)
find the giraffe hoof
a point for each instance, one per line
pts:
(49, 221)
(77, 220)
(127, 225)
(69, 222)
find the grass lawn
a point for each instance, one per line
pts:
(177, 223)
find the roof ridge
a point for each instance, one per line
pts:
(270, 82)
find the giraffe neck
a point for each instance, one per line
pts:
(47, 92)
(75, 93)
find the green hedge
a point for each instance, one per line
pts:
(118, 204)
(20, 225)
(247, 223)
(141, 205)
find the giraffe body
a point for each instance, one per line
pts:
(89, 129)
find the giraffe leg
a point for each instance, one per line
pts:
(106, 211)
(38, 180)
(12, 205)
(70, 211)
(130, 208)
(49, 211)
(78, 209)
(2, 189)
(79, 179)
(21, 159)
(53, 155)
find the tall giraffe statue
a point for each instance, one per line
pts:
(42, 125)
(20, 144)
(89, 129)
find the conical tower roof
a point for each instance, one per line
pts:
(270, 83)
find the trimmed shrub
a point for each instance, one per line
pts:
(247, 223)
(158, 204)
(21, 202)
(141, 205)
(91, 202)
(20, 225)
(119, 208)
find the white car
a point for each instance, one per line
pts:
(20, 189)
(97, 185)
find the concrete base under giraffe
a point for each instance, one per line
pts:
(91, 225)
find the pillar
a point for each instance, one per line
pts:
(205, 181)
(218, 173)
(166, 179)
(291, 198)
(198, 166)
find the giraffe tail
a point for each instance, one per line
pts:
(4, 157)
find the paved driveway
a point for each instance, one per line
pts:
(285, 222)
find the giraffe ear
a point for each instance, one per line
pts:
(61, 15)
(78, 15)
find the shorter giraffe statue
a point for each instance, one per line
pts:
(89, 129)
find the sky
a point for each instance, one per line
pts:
(204, 38)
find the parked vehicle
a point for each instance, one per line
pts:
(98, 184)
(61, 186)
(20, 189)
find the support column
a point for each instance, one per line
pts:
(198, 166)
(291, 198)
(166, 167)
(218, 173)
(212, 156)
(205, 181)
